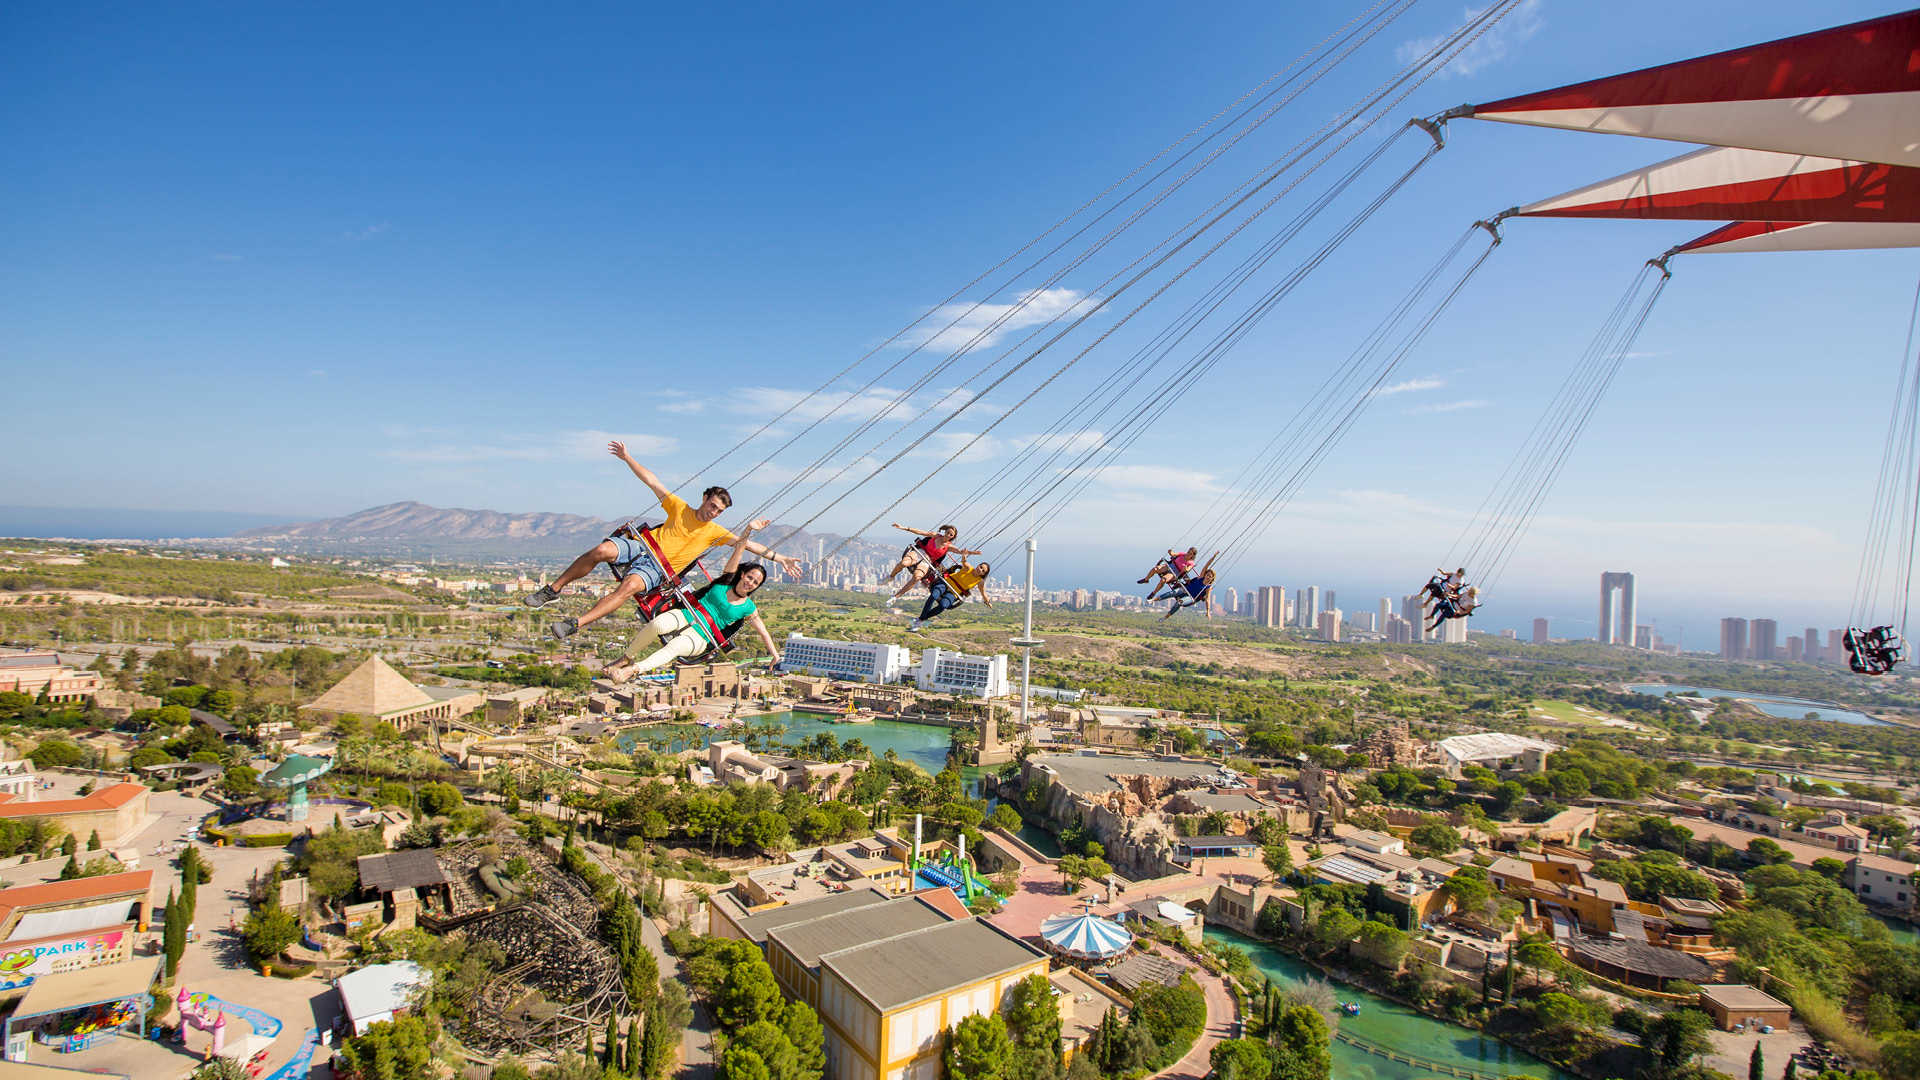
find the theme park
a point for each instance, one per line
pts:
(862, 703)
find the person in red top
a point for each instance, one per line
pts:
(1171, 570)
(922, 558)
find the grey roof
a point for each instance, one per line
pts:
(1217, 841)
(218, 723)
(809, 940)
(1137, 969)
(1644, 959)
(756, 927)
(400, 870)
(1230, 802)
(930, 962)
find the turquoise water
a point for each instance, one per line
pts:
(1394, 1026)
(1789, 708)
(1902, 932)
(923, 744)
(1042, 841)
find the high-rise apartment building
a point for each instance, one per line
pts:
(1540, 632)
(1835, 652)
(1761, 635)
(1330, 624)
(1811, 645)
(1453, 631)
(1270, 606)
(1310, 607)
(1794, 649)
(1616, 626)
(1327, 601)
(1733, 639)
(1386, 613)
(1399, 630)
(1413, 610)
(1233, 600)
(1643, 637)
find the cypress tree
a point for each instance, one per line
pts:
(636, 1062)
(610, 1054)
(1757, 1065)
(93, 842)
(173, 935)
(589, 1049)
(654, 1049)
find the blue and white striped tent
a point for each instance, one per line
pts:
(1085, 936)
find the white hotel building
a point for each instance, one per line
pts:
(940, 670)
(854, 661)
(962, 673)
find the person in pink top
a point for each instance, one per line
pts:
(922, 558)
(1171, 570)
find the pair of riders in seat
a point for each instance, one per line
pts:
(1175, 574)
(1451, 597)
(1874, 651)
(645, 564)
(947, 586)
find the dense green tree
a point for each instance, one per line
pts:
(1434, 838)
(1302, 1045)
(268, 932)
(808, 1037)
(1756, 1064)
(388, 1050)
(1241, 1059)
(979, 1048)
(1382, 945)
(1675, 1038)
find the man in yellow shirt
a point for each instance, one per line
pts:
(686, 535)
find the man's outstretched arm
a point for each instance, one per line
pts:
(786, 562)
(619, 449)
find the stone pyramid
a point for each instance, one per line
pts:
(372, 689)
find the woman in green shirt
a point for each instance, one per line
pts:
(727, 603)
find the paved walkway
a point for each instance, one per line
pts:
(1222, 1017)
(696, 1046)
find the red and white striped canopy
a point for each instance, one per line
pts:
(1752, 185)
(1851, 92)
(1749, 236)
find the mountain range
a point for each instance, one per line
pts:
(416, 528)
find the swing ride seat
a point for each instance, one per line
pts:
(671, 594)
(1874, 651)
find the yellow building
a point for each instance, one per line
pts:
(888, 977)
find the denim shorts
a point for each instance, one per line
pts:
(635, 557)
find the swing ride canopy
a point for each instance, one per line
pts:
(1849, 92)
(1085, 936)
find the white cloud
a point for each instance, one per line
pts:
(1449, 406)
(968, 321)
(1077, 442)
(1517, 26)
(448, 446)
(1157, 478)
(943, 444)
(772, 400)
(1426, 382)
(684, 408)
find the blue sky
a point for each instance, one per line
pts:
(302, 261)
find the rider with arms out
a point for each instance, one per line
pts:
(686, 535)
(727, 602)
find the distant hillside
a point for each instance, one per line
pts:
(415, 527)
(418, 521)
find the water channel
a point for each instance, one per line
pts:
(1789, 708)
(923, 744)
(1396, 1027)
